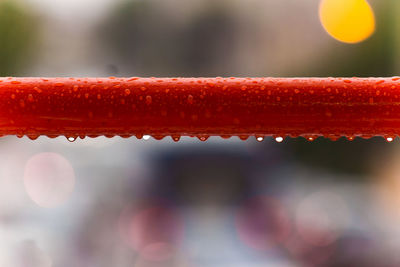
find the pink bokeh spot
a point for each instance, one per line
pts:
(155, 232)
(49, 179)
(263, 223)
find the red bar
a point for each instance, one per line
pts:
(201, 107)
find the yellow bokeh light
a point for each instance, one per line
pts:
(349, 21)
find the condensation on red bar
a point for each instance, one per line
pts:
(202, 107)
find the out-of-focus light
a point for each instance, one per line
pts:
(308, 255)
(49, 179)
(155, 232)
(349, 21)
(27, 253)
(386, 192)
(321, 217)
(263, 223)
(176, 262)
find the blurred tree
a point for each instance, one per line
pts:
(18, 32)
(149, 40)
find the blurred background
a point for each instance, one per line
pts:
(224, 202)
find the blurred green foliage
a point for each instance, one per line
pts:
(18, 32)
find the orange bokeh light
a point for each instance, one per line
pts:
(348, 21)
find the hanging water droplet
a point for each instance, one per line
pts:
(146, 137)
(389, 139)
(203, 138)
(33, 136)
(279, 139)
(71, 138)
(158, 137)
(260, 138)
(176, 138)
(243, 137)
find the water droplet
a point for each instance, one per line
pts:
(146, 137)
(243, 137)
(127, 92)
(190, 99)
(279, 139)
(371, 100)
(149, 100)
(203, 138)
(33, 136)
(389, 139)
(260, 138)
(71, 138)
(158, 137)
(176, 138)
(139, 136)
(30, 98)
(194, 117)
